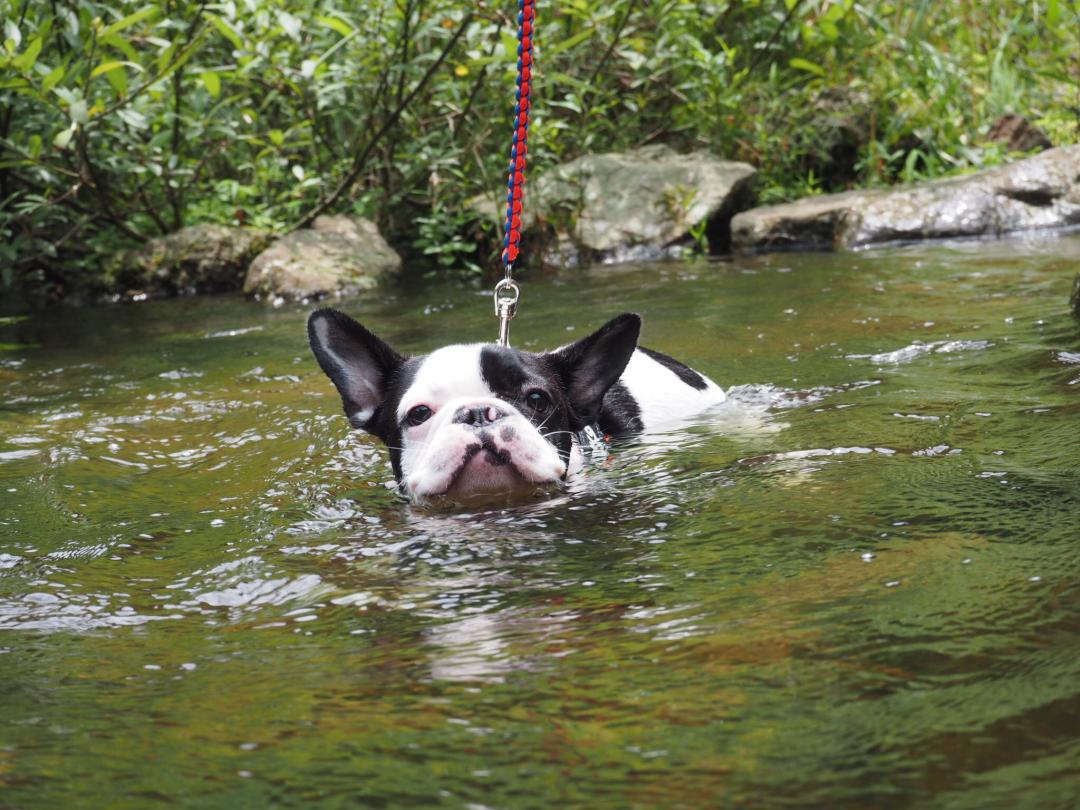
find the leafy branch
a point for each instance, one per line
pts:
(360, 160)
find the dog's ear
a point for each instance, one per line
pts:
(358, 362)
(593, 364)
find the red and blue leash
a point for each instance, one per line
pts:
(591, 439)
(506, 291)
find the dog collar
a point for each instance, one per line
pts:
(593, 443)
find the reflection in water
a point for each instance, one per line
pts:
(853, 584)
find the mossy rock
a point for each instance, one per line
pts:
(641, 204)
(197, 259)
(1037, 193)
(337, 256)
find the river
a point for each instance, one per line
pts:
(856, 584)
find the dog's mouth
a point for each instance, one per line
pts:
(485, 468)
(488, 453)
(487, 472)
(464, 465)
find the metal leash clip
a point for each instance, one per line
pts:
(506, 296)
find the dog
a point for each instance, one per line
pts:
(485, 419)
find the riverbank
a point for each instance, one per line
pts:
(121, 125)
(645, 205)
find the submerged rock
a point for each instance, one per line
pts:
(338, 255)
(642, 204)
(1074, 299)
(1036, 193)
(197, 259)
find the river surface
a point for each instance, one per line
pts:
(856, 584)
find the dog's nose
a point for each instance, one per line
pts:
(478, 415)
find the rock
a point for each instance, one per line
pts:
(1017, 134)
(1074, 299)
(338, 255)
(1035, 193)
(641, 204)
(197, 259)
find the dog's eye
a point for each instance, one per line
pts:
(418, 415)
(538, 400)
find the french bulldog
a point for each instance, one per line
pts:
(487, 419)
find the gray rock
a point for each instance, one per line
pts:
(1036, 193)
(635, 205)
(197, 259)
(338, 255)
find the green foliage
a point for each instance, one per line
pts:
(452, 237)
(122, 120)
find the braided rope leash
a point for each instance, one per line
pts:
(507, 292)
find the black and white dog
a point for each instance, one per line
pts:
(483, 418)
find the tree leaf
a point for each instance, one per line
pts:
(12, 36)
(78, 112)
(290, 24)
(799, 63)
(118, 80)
(166, 56)
(64, 136)
(122, 45)
(228, 32)
(565, 44)
(105, 67)
(129, 20)
(829, 29)
(337, 24)
(53, 78)
(133, 118)
(25, 60)
(212, 82)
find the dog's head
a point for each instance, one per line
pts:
(473, 418)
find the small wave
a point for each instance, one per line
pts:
(49, 612)
(179, 374)
(233, 332)
(919, 349)
(772, 397)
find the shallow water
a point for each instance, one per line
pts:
(855, 585)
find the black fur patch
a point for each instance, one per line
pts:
(590, 366)
(507, 370)
(384, 423)
(620, 415)
(512, 374)
(683, 372)
(495, 456)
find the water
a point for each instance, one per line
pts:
(856, 585)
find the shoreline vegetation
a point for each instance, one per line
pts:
(124, 122)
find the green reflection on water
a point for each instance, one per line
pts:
(856, 585)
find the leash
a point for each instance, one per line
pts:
(591, 439)
(507, 292)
